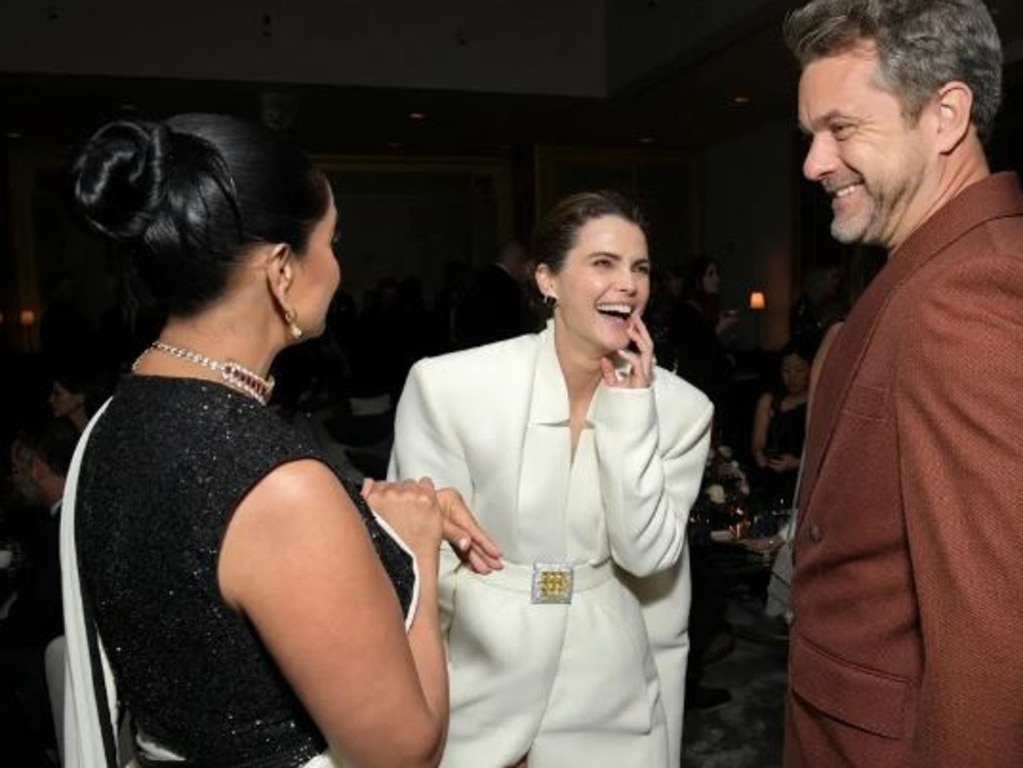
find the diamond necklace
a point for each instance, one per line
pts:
(234, 374)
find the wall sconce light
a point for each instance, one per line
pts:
(756, 300)
(28, 318)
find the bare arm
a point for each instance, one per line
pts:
(297, 561)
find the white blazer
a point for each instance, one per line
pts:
(493, 423)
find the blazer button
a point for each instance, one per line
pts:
(815, 533)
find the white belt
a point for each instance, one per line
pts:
(550, 582)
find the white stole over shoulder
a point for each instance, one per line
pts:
(83, 720)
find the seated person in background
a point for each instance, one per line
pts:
(779, 427)
(781, 571)
(40, 457)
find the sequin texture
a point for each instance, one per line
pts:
(165, 468)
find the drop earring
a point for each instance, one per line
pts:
(290, 317)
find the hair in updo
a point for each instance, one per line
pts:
(190, 194)
(555, 234)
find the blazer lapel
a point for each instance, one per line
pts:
(995, 197)
(543, 480)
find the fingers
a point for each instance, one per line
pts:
(643, 340)
(384, 496)
(482, 563)
(480, 553)
(460, 518)
(472, 544)
(458, 525)
(644, 362)
(607, 371)
(641, 362)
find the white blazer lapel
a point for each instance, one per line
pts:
(546, 457)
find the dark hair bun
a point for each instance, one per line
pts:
(117, 180)
(189, 194)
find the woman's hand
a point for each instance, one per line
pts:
(411, 508)
(785, 462)
(641, 364)
(469, 541)
(422, 516)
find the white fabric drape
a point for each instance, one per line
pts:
(83, 720)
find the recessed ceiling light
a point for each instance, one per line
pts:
(394, 144)
(14, 134)
(416, 115)
(741, 100)
(646, 140)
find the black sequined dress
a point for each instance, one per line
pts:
(164, 470)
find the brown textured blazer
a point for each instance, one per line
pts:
(907, 644)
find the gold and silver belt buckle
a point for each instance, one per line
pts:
(552, 583)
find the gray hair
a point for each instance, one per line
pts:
(921, 46)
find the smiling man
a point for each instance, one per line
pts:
(904, 645)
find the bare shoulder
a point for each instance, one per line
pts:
(295, 516)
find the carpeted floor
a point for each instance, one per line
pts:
(747, 731)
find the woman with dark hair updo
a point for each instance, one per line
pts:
(255, 609)
(582, 458)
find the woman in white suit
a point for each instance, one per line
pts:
(581, 459)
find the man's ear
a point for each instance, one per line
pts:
(954, 103)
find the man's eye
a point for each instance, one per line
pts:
(841, 131)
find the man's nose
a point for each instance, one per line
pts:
(821, 157)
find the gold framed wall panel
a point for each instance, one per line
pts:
(410, 216)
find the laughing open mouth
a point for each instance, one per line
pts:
(618, 311)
